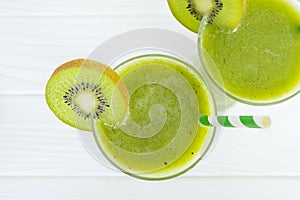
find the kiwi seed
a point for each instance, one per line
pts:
(215, 11)
(198, 16)
(95, 90)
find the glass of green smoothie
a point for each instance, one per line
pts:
(258, 62)
(161, 137)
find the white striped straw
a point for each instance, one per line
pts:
(236, 121)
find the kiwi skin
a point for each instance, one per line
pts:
(54, 92)
(82, 62)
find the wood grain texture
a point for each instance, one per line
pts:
(37, 36)
(197, 188)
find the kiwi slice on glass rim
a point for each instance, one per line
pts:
(82, 89)
(226, 13)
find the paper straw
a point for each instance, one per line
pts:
(236, 121)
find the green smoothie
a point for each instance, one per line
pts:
(260, 60)
(161, 137)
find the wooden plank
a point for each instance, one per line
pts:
(34, 142)
(32, 47)
(38, 36)
(208, 188)
(77, 7)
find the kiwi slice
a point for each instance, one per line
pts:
(82, 89)
(226, 13)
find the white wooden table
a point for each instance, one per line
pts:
(41, 158)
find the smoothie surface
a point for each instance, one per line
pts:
(260, 60)
(162, 133)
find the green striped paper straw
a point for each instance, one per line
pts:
(236, 121)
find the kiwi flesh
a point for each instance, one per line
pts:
(82, 89)
(226, 13)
